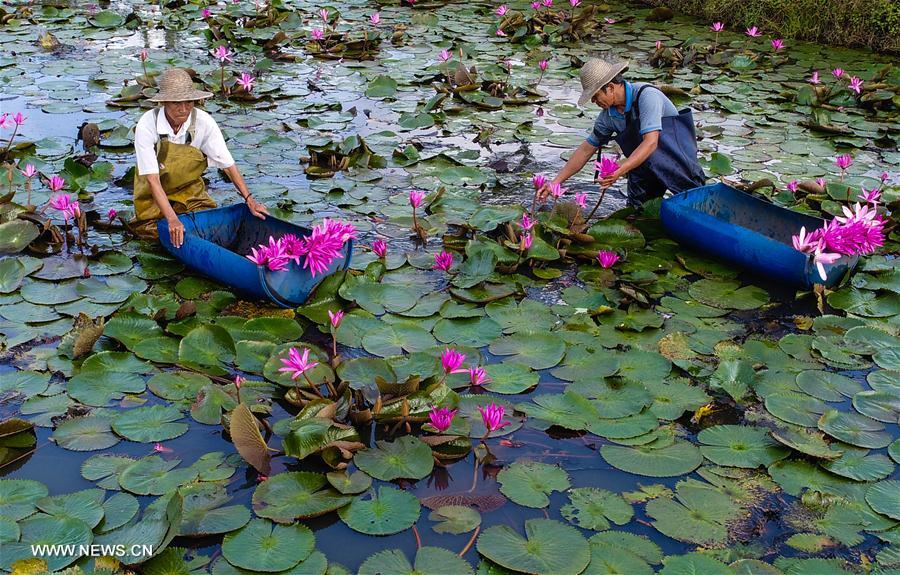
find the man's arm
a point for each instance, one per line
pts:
(176, 228)
(237, 179)
(582, 154)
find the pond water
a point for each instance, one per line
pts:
(670, 414)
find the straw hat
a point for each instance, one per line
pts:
(175, 85)
(595, 74)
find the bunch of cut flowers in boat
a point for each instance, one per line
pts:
(317, 250)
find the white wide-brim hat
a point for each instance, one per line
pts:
(176, 85)
(595, 74)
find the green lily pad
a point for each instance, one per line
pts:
(149, 424)
(727, 294)
(44, 529)
(548, 548)
(827, 386)
(881, 405)
(205, 511)
(18, 497)
(796, 408)
(177, 385)
(429, 561)
(131, 329)
(529, 483)
(85, 505)
(385, 512)
(296, 495)
(510, 378)
(98, 389)
(387, 340)
(859, 465)
(455, 519)
(740, 446)
(265, 546)
(352, 484)
(854, 429)
(47, 293)
(406, 457)
(884, 497)
(677, 459)
(806, 441)
(25, 383)
(12, 272)
(208, 345)
(700, 514)
(152, 475)
(88, 433)
(865, 303)
(536, 350)
(594, 508)
(16, 235)
(118, 509)
(695, 564)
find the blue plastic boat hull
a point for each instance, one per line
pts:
(749, 232)
(217, 241)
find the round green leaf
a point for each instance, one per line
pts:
(385, 512)
(265, 546)
(677, 459)
(455, 519)
(18, 497)
(548, 548)
(594, 508)
(296, 495)
(149, 424)
(429, 561)
(740, 446)
(407, 457)
(859, 465)
(827, 386)
(88, 433)
(536, 350)
(854, 429)
(884, 497)
(727, 294)
(881, 405)
(529, 483)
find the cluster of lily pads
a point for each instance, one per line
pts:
(655, 399)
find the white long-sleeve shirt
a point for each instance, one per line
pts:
(207, 138)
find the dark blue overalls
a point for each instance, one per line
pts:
(672, 166)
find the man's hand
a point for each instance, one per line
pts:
(256, 208)
(176, 231)
(544, 191)
(611, 179)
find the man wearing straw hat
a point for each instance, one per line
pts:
(173, 145)
(657, 139)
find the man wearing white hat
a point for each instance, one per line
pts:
(173, 145)
(657, 139)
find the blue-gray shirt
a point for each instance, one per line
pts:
(654, 105)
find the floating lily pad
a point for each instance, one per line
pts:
(20, 497)
(16, 235)
(881, 405)
(700, 514)
(677, 459)
(529, 483)
(696, 563)
(44, 529)
(858, 464)
(265, 546)
(854, 429)
(739, 446)
(536, 350)
(406, 457)
(455, 519)
(594, 508)
(429, 561)
(807, 441)
(827, 386)
(297, 495)
(148, 424)
(385, 512)
(85, 505)
(548, 548)
(884, 497)
(85, 434)
(728, 294)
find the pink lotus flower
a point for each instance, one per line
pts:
(380, 248)
(501, 10)
(543, 65)
(451, 360)
(777, 44)
(159, 448)
(821, 182)
(821, 258)
(29, 171)
(856, 84)
(837, 72)
(843, 161)
(111, 214)
(717, 27)
(317, 35)
(444, 55)
(19, 119)
(323, 14)
(538, 181)
(527, 222)
(325, 244)
(144, 55)
(56, 183)
(492, 416)
(296, 364)
(527, 240)
(443, 261)
(273, 256)
(336, 318)
(610, 20)
(547, 3)
(206, 13)
(805, 243)
(478, 377)
(5, 122)
(415, 198)
(62, 202)
(607, 258)
(574, 3)
(556, 190)
(238, 381)
(500, 32)
(884, 177)
(535, 5)
(814, 79)
(870, 196)
(658, 44)
(753, 32)
(222, 54)
(792, 186)
(607, 166)
(246, 81)
(441, 418)
(375, 18)
(581, 200)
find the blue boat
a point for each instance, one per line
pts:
(749, 232)
(217, 241)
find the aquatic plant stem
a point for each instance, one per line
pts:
(600, 201)
(11, 138)
(223, 79)
(418, 538)
(471, 542)
(311, 384)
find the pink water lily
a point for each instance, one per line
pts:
(535, 5)
(205, 13)
(659, 44)
(717, 27)
(607, 259)
(246, 81)
(538, 181)
(821, 182)
(837, 72)
(814, 79)
(492, 416)
(870, 196)
(375, 18)
(56, 183)
(297, 364)
(238, 381)
(856, 84)
(527, 222)
(62, 202)
(805, 243)
(547, 3)
(443, 261)
(415, 198)
(325, 244)
(380, 248)
(501, 10)
(607, 166)
(581, 200)
(160, 448)
(335, 318)
(792, 186)
(317, 35)
(527, 240)
(574, 3)
(609, 20)
(441, 418)
(556, 190)
(543, 65)
(478, 376)
(824, 258)
(445, 55)
(885, 177)
(222, 54)
(111, 214)
(753, 32)
(19, 119)
(144, 55)
(273, 255)
(777, 44)
(500, 32)
(29, 171)
(5, 121)
(323, 14)
(843, 161)
(452, 360)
